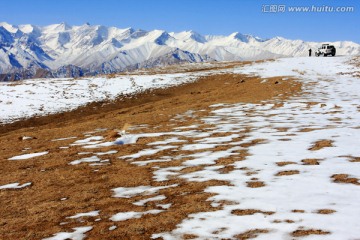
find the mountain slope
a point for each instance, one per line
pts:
(25, 49)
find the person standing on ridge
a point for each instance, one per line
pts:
(310, 52)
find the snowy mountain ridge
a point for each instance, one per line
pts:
(61, 50)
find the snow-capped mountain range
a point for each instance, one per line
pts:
(60, 50)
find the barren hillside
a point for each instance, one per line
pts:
(259, 150)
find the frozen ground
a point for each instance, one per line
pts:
(305, 144)
(298, 179)
(39, 97)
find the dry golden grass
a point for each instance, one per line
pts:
(111, 75)
(243, 212)
(311, 161)
(308, 232)
(321, 144)
(277, 105)
(226, 169)
(354, 159)
(226, 161)
(308, 129)
(255, 184)
(113, 134)
(310, 104)
(36, 212)
(287, 173)
(325, 211)
(298, 211)
(285, 139)
(281, 164)
(191, 169)
(282, 221)
(253, 143)
(250, 173)
(289, 221)
(282, 129)
(219, 231)
(300, 72)
(251, 234)
(189, 236)
(344, 178)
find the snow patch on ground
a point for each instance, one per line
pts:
(78, 234)
(131, 215)
(39, 97)
(28, 156)
(15, 185)
(63, 139)
(123, 192)
(85, 160)
(156, 198)
(87, 214)
(112, 228)
(308, 188)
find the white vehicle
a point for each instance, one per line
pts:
(325, 50)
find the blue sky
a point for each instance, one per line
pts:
(204, 16)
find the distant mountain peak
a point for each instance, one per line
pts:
(94, 49)
(65, 26)
(5, 36)
(197, 37)
(10, 28)
(129, 29)
(243, 37)
(58, 27)
(279, 38)
(161, 36)
(189, 36)
(28, 28)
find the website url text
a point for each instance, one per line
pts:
(279, 8)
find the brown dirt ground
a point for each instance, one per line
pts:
(308, 129)
(321, 144)
(281, 164)
(311, 161)
(36, 212)
(287, 173)
(325, 211)
(307, 232)
(243, 212)
(354, 159)
(282, 221)
(298, 211)
(251, 234)
(255, 184)
(344, 178)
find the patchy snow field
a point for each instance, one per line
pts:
(292, 169)
(39, 97)
(294, 183)
(285, 187)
